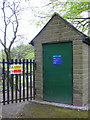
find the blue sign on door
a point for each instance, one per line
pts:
(57, 60)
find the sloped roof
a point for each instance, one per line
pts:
(69, 24)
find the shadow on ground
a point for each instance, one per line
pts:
(36, 110)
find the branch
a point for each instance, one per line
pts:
(2, 43)
(16, 29)
(18, 4)
(5, 49)
(80, 18)
(1, 30)
(39, 16)
(16, 7)
(47, 5)
(9, 19)
(3, 9)
(86, 23)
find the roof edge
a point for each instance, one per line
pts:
(85, 38)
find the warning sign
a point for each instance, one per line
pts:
(16, 69)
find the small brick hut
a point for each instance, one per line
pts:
(50, 71)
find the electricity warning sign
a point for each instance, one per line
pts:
(16, 69)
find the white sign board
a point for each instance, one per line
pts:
(16, 69)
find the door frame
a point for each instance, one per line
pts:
(43, 64)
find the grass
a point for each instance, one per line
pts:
(35, 110)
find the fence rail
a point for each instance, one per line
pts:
(17, 87)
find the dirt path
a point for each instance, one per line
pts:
(37, 110)
(12, 110)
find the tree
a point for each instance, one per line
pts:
(70, 10)
(74, 14)
(23, 52)
(10, 11)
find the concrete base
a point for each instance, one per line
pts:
(86, 108)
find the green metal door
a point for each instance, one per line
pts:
(57, 72)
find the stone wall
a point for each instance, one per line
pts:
(89, 72)
(85, 74)
(58, 31)
(77, 72)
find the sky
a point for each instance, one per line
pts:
(27, 28)
(27, 23)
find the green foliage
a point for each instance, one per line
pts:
(23, 52)
(2, 55)
(20, 52)
(30, 55)
(70, 10)
(75, 8)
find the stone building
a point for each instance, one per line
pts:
(62, 55)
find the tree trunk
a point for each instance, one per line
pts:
(8, 76)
